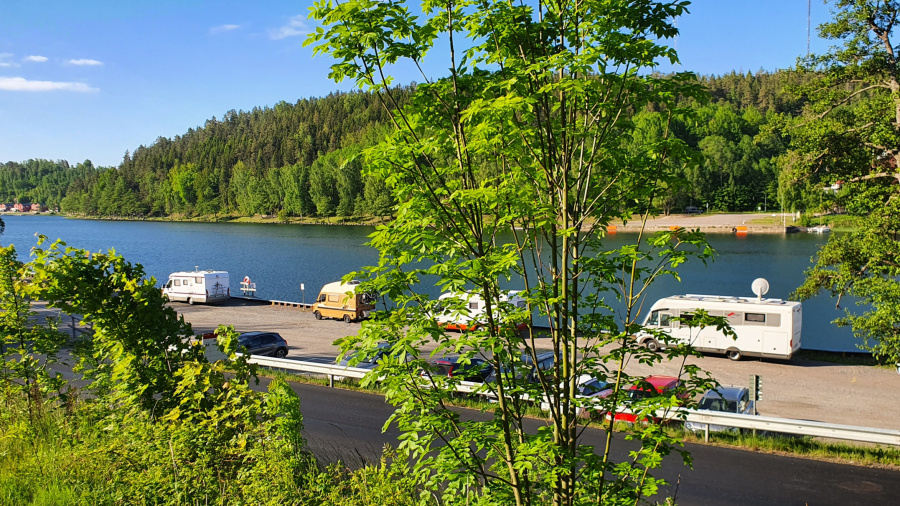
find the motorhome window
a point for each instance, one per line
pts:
(333, 297)
(322, 298)
(177, 282)
(473, 305)
(520, 303)
(658, 318)
(198, 280)
(687, 318)
(755, 317)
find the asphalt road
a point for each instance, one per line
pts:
(346, 425)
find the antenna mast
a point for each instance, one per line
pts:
(808, 24)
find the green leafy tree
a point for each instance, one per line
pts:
(138, 343)
(849, 136)
(508, 170)
(29, 343)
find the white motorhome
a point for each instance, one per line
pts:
(198, 286)
(472, 315)
(764, 327)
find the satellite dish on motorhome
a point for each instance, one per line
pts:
(760, 287)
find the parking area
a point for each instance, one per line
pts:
(801, 389)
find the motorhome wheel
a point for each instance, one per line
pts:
(651, 345)
(190, 301)
(318, 315)
(733, 354)
(346, 318)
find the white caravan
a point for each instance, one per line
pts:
(472, 316)
(764, 327)
(198, 286)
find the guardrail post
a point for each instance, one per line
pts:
(706, 433)
(331, 380)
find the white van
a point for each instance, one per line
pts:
(198, 286)
(472, 316)
(764, 327)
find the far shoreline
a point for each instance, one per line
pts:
(716, 223)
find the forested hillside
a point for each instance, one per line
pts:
(300, 160)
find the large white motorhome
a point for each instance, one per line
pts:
(764, 327)
(198, 286)
(473, 314)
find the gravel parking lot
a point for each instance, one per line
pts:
(801, 389)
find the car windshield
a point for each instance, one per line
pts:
(637, 395)
(718, 404)
(593, 387)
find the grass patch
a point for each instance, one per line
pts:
(806, 447)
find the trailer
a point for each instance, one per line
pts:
(764, 327)
(198, 286)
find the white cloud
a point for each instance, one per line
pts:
(295, 26)
(223, 28)
(84, 61)
(6, 60)
(35, 58)
(22, 84)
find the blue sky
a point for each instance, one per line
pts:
(90, 79)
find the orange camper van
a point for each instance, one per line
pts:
(341, 301)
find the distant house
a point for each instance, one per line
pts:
(23, 208)
(5, 207)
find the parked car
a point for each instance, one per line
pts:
(365, 361)
(692, 210)
(529, 368)
(730, 399)
(475, 369)
(588, 387)
(264, 343)
(636, 393)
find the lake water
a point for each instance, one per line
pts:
(278, 258)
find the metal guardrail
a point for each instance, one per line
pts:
(735, 420)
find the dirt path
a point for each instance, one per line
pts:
(852, 395)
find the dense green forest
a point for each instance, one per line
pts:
(302, 160)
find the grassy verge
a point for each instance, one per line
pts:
(86, 455)
(805, 447)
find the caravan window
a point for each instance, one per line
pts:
(755, 317)
(198, 280)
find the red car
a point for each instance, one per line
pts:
(660, 384)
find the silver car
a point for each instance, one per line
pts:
(726, 400)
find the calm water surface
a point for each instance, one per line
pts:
(279, 258)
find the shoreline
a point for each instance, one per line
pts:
(725, 223)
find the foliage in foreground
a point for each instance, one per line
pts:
(507, 172)
(849, 138)
(153, 421)
(84, 455)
